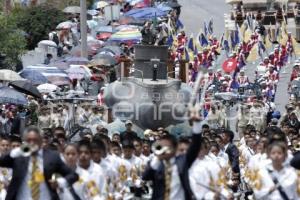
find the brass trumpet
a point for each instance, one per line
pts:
(158, 150)
(27, 150)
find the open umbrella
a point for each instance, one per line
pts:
(229, 65)
(140, 5)
(11, 96)
(101, 4)
(173, 4)
(49, 43)
(92, 24)
(26, 87)
(9, 75)
(77, 60)
(36, 77)
(76, 73)
(116, 50)
(93, 12)
(164, 7)
(72, 9)
(76, 51)
(95, 44)
(47, 88)
(146, 13)
(104, 59)
(65, 25)
(103, 36)
(126, 27)
(105, 29)
(131, 20)
(59, 65)
(58, 80)
(130, 35)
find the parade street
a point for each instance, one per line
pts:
(194, 13)
(149, 100)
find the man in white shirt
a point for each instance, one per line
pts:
(128, 154)
(95, 179)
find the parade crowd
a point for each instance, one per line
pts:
(43, 157)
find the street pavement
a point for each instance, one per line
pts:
(193, 15)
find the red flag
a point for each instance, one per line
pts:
(229, 65)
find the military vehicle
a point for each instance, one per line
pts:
(148, 93)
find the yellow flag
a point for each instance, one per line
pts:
(253, 53)
(191, 55)
(242, 30)
(175, 41)
(268, 43)
(284, 36)
(247, 35)
(226, 35)
(295, 46)
(283, 39)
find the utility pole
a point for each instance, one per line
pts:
(7, 6)
(83, 29)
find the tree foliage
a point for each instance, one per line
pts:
(12, 43)
(37, 22)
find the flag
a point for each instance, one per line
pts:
(196, 51)
(243, 30)
(268, 43)
(226, 45)
(222, 40)
(295, 46)
(170, 27)
(261, 46)
(221, 44)
(186, 56)
(179, 24)
(154, 21)
(253, 54)
(202, 40)
(247, 35)
(175, 41)
(249, 22)
(170, 40)
(237, 34)
(205, 29)
(232, 39)
(277, 32)
(284, 35)
(210, 27)
(226, 35)
(191, 54)
(191, 45)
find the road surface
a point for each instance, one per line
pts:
(193, 15)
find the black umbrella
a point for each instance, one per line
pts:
(26, 87)
(116, 50)
(173, 4)
(104, 59)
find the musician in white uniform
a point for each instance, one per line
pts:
(91, 174)
(207, 179)
(276, 180)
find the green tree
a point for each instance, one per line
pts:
(37, 22)
(12, 43)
